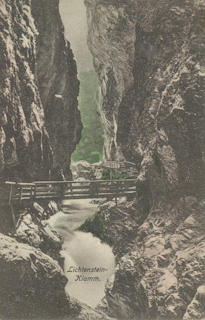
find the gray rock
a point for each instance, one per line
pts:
(84, 170)
(33, 140)
(31, 229)
(159, 275)
(151, 70)
(58, 84)
(32, 283)
(196, 309)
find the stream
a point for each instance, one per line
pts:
(88, 262)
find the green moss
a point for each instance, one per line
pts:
(90, 147)
(97, 226)
(112, 174)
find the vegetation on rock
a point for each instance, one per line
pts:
(97, 226)
(90, 147)
(112, 174)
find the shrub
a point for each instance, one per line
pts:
(112, 174)
(97, 226)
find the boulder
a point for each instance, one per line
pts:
(85, 170)
(196, 309)
(31, 229)
(32, 283)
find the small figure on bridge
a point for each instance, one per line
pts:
(61, 175)
(62, 186)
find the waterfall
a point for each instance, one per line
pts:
(88, 262)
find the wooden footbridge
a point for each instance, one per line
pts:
(19, 193)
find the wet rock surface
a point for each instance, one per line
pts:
(33, 229)
(32, 279)
(87, 313)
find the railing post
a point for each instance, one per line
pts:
(20, 195)
(116, 193)
(31, 192)
(97, 187)
(35, 192)
(92, 189)
(13, 216)
(71, 188)
(62, 188)
(10, 194)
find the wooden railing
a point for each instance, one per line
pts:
(64, 190)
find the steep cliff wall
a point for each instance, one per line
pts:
(111, 39)
(150, 61)
(57, 75)
(25, 148)
(160, 271)
(36, 65)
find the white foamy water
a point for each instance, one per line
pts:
(88, 262)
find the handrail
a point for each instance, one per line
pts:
(64, 182)
(19, 183)
(21, 191)
(86, 181)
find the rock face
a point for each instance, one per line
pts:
(58, 84)
(196, 308)
(84, 170)
(111, 39)
(33, 229)
(25, 147)
(160, 272)
(149, 58)
(150, 61)
(32, 283)
(29, 81)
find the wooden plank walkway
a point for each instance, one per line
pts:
(65, 190)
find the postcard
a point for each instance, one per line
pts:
(102, 160)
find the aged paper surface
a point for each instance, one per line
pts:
(102, 160)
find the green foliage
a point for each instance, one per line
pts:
(112, 174)
(97, 226)
(90, 147)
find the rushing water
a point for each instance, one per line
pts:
(88, 262)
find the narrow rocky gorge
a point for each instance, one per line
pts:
(58, 84)
(150, 60)
(40, 127)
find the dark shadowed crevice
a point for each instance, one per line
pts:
(90, 147)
